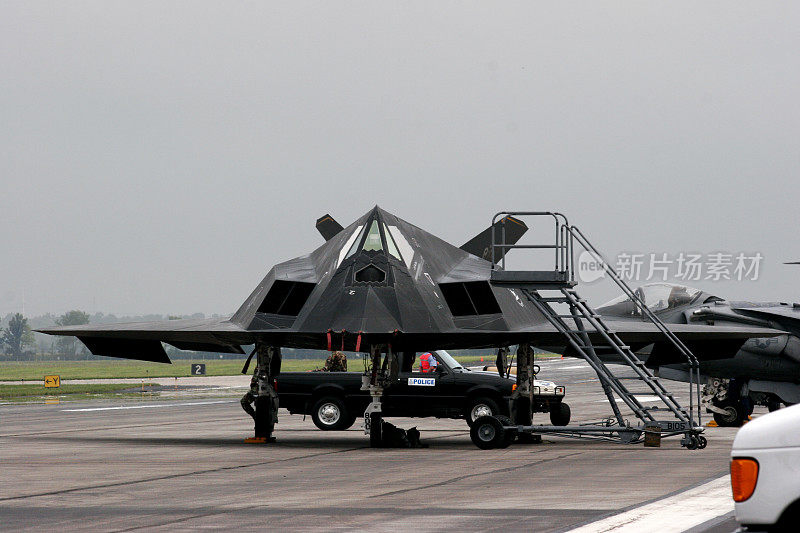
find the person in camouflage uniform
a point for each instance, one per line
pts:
(250, 396)
(268, 364)
(336, 362)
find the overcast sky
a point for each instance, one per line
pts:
(161, 156)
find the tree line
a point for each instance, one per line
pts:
(18, 341)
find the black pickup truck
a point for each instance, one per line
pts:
(335, 399)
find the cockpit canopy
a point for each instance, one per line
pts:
(658, 297)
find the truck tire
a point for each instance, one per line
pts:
(487, 433)
(560, 414)
(331, 414)
(478, 407)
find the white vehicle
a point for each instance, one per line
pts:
(765, 472)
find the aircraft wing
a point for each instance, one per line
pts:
(786, 316)
(142, 340)
(792, 312)
(706, 342)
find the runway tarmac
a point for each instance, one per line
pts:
(180, 464)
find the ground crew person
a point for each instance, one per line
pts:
(427, 362)
(259, 375)
(336, 362)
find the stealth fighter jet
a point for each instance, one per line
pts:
(381, 285)
(379, 281)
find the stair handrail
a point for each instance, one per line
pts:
(563, 260)
(646, 311)
(694, 364)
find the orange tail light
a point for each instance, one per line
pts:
(744, 476)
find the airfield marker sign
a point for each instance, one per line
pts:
(52, 381)
(198, 369)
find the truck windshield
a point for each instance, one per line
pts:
(448, 360)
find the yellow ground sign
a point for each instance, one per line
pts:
(52, 381)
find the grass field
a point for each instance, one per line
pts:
(109, 369)
(11, 392)
(35, 371)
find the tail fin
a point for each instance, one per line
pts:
(481, 244)
(328, 227)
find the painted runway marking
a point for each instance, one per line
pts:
(640, 398)
(573, 367)
(667, 515)
(647, 398)
(85, 409)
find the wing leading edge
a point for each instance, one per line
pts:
(142, 340)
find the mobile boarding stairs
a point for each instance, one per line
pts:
(552, 292)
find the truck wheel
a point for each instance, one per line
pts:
(348, 423)
(734, 414)
(487, 433)
(478, 407)
(330, 414)
(559, 414)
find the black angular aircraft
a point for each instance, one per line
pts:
(381, 286)
(379, 281)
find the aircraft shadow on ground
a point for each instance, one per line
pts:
(284, 442)
(322, 441)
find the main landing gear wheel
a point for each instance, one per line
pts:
(487, 433)
(773, 404)
(510, 435)
(376, 430)
(734, 414)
